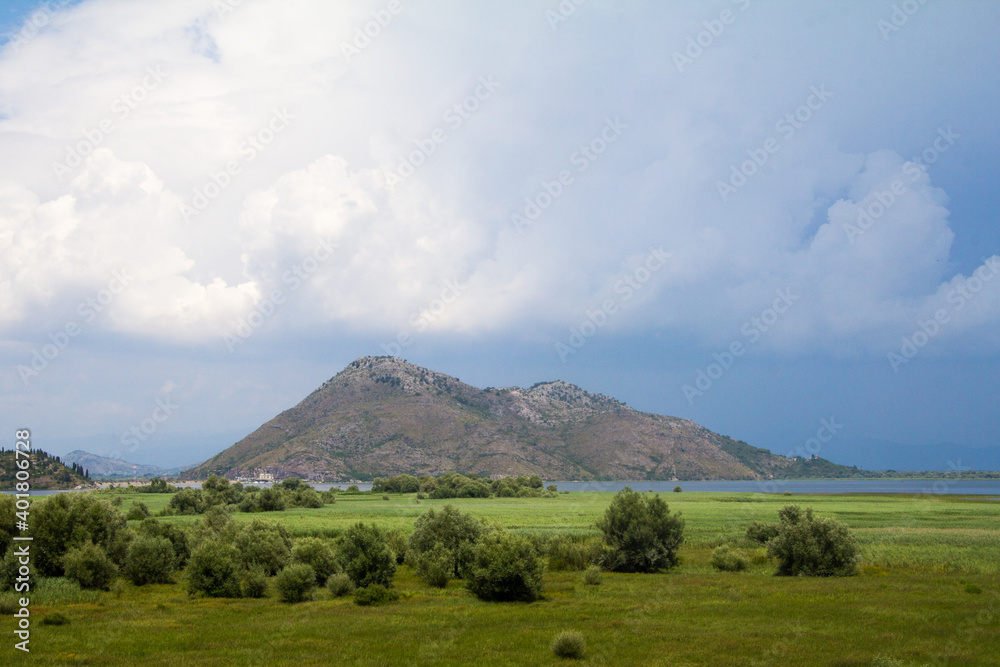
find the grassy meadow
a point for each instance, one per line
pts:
(928, 592)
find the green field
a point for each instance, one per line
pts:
(914, 601)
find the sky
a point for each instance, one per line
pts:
(777, 219)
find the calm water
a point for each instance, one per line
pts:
(975, 487)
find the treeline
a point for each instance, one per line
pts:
(457, 485)
(47, 471)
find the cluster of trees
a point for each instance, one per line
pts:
(457, 485)
(216, 491)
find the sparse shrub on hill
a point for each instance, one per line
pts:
(150, 560)
(213, 569)
(641, 533)
(366, 557)
(505, 567)
(317, 554)
(296, 583)
(807, 545)
(727, 559)
(89, 566)
(455, 531)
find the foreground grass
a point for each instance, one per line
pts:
(914, 601)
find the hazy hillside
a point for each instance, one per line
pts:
(382, 416)
(47, 472)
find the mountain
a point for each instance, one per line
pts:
(101, 466)
(383, 416)
(46, 472)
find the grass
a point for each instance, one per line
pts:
(914, 601)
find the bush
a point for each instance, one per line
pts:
(366, 556)
(455, 531)
(89, 566)
(375, 595)
(296, 583)
(505, 567)
(213, 570)
(269, 500)
(810, 546)
(592, 576)
(150, 560)
(188, 501)
(11, 569)
(568, 645)
(67, 520)
(306, 496)
(138, 511)
(398, 543)
(55, 618)
(259, 543)
(566, 553)
(317, 554)
(678, 489)
(177, 536)
(216, 519)
(340, 585)
(640, 532)
(975, 589)
(726, 559)
(436, 566)
(253, 582)
(761, 532)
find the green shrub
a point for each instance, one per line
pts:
(178, 537)
(678, 489)
(216, 519)
(253, 582)
(759, 556)
(374, 595)
(150, 560)
(973, 588)
(436, 566)
(761, 532)
(505, 567)
(455, 531)
(138, 511)
(592, 576)
(366, 556)
(566, 553)
(810, 546)
(12, 568)
(727, 559)
(317, 554)
(398, 543)
(66, 520)
(340, 585)
(188, 501)
(90, 566)
(552, 487)
(55, 618)
(260, 543)
(296, 583)
(568, 645)
(213, 570)
(640, 532)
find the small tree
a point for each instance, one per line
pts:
(641, 533)
(253, 582)
(366, 556)
(213, 570)
(296, 583)
(90, 566)
(316, 553)
(505, 567)
(340, 585)
(260, 543)
(138, 511)
(452, 529)
(188, 501)
(436, 566)
(812, 546)
(150, 560)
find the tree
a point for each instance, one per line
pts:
(150, 560)
(188, 501)
(455, 531)
(259, 543)
(366, 556)
(316, 553)
(67, 520)
(806, 545)
(89, 565)
(213, 570)
(296, 583)
(505, 567)
(640, 532)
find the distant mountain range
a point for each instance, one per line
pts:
(102, 467)
(385, 416)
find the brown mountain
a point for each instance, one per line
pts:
(384, 416)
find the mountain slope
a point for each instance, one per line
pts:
(47, 472)
(382, 416)
(101, 466)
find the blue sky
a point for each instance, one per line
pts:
(754, 215)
